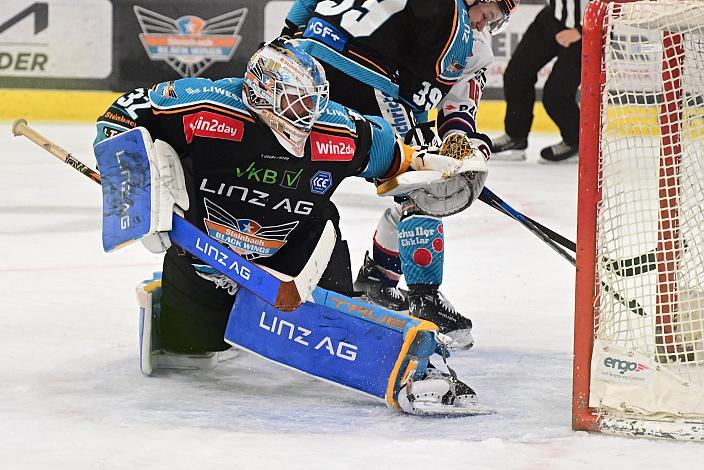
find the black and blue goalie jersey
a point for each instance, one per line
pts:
(244, 188)
(414, 50)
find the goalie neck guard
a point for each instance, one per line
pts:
(288, 90)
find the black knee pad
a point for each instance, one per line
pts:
(194, 312)
(338, 274)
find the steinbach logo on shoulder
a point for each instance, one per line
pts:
(212, 125)
(334, 148)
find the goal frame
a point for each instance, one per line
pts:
(587, 286)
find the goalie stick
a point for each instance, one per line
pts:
(488, 197)
(626, 267)
(284, 292)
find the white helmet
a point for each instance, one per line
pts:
(504, 7)
(507, 7)
(287, 89)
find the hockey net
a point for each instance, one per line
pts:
(639, 325)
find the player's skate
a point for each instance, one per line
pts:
(508, 149)
(440, 393)
(428, 303)
(369, 281)
(151, 356)
(559, 153)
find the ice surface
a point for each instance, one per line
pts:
(72, 396)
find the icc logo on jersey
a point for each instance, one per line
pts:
(320, 182)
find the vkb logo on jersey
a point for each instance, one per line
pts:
(320, 182)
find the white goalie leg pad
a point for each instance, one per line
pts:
(148, 348)
(151, 356)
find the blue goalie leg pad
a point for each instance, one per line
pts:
(336, 338)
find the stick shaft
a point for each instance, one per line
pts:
(488, 197)
(272, 287)
(21, 128)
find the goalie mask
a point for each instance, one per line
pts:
(287, 89)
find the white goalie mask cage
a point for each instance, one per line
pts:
(288, 90)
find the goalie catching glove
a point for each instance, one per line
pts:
(443, 183)
(143, 184)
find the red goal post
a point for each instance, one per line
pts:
(639, 297)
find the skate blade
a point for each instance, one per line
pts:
(435, 409)
(509, 156)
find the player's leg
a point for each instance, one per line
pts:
(560, 101)
(193, 310)
(379, 275)
(536, 48)
(422, 250)
(183, 320)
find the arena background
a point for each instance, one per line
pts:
(67, 60)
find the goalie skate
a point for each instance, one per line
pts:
(440, 394)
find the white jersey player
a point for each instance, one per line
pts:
(457, 112)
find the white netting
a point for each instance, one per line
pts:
(650, 223)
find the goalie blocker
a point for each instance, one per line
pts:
(143, 184)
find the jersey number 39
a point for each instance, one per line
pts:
(357, 22)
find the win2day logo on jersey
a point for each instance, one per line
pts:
(245, 237)
(331, 148)
(212, 125)
(190, 44)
